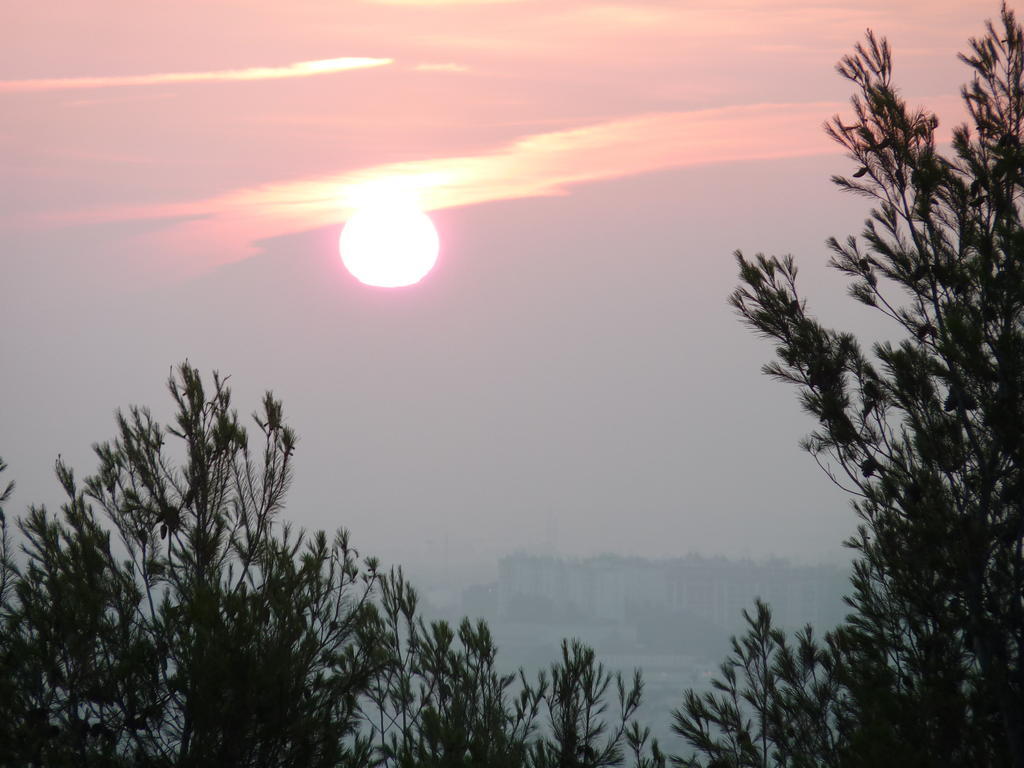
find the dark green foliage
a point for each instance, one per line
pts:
(927, 434)
(184, 624)
(166, 617)
(772, 704)
(443, 703)
(7, 571)
(576, 703)
(8, 579)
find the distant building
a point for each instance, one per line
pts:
(614, 589)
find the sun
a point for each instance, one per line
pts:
(389, 245)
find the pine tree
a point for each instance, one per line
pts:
(167, 617)
(926, 434)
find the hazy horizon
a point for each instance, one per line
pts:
(569, 378)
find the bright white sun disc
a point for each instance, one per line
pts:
(389, 246)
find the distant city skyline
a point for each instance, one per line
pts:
(714, 589)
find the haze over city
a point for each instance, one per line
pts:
(568, 378)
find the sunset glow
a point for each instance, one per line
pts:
(481, 249)
(460, 102)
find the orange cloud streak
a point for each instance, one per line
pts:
(444, 67)
(298, 69)
(539, 165)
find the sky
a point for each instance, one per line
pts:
(569, 377)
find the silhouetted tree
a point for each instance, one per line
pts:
(8, 575)
(772, 703)
(167, 617)
(442, 703)
(7, 571)
(927, 434)
(581, 731)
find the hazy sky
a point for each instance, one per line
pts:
(569, 377)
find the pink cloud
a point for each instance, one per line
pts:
(298, 69)
(441, 67)
(223, 228)
(441, 2)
